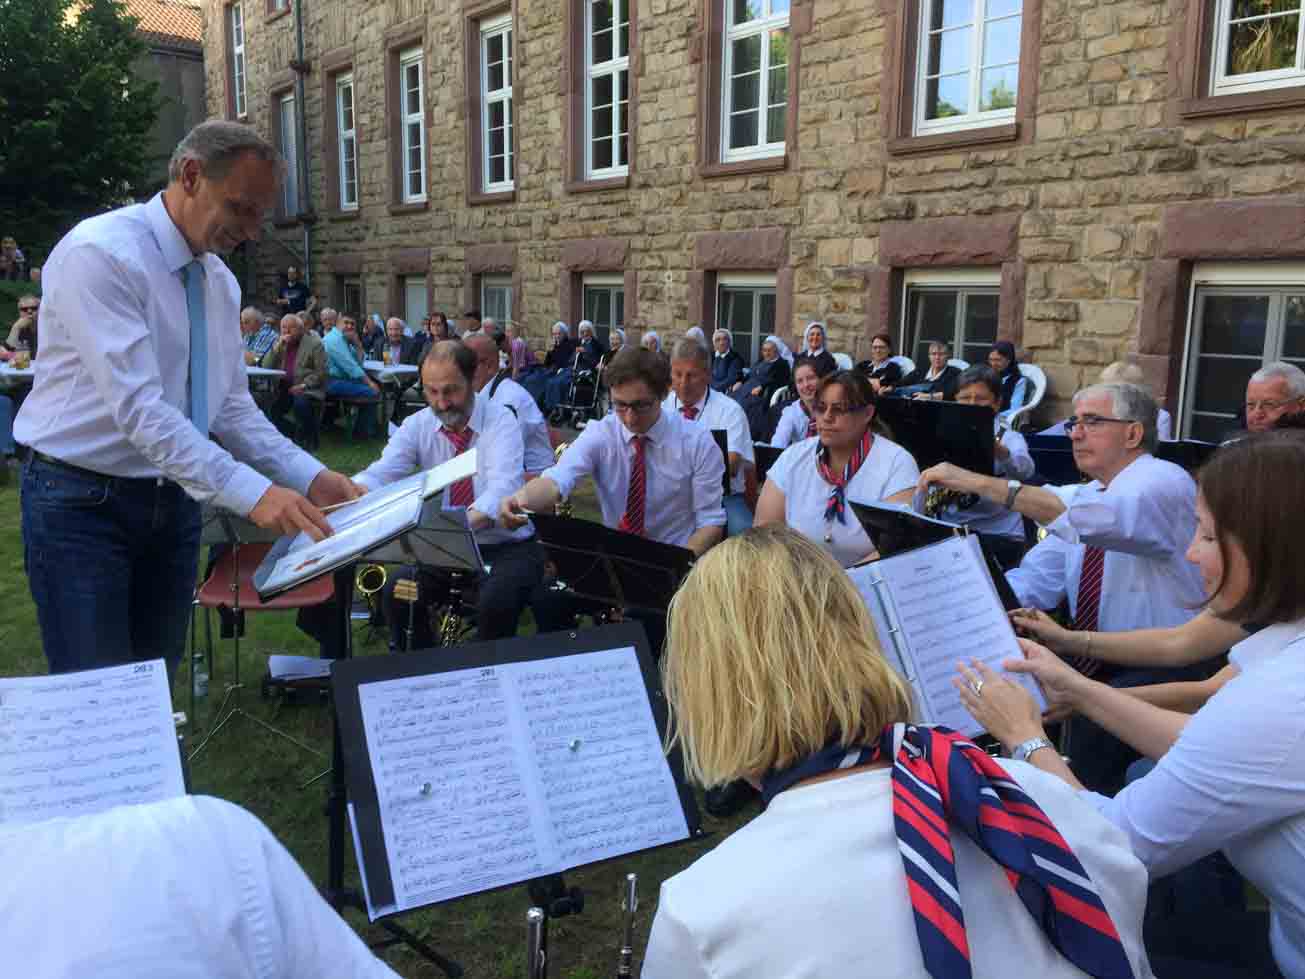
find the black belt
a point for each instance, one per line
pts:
(50, 460)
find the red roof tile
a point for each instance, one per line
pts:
(168, 21)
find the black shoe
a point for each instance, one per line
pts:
(726, 800)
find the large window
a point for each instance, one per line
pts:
(351, 296)
(346, 142)
(967, 66)
(413, 126)
(1237, 326)
(497, 157)
(745, 305)
(604, 304)
(289, 133)
(607, 88)
(1258, 44)
(755, 82)
(236, 30)
(416, 301)
(954, 307)
(496, 298)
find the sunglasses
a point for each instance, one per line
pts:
(28, 309)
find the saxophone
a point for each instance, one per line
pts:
(563, 508)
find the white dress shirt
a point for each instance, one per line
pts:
(1144, 521)
(719, 412)
(111, 391)
(190, 888)
(420, 443)
(792, 426)
(683, 468)
(534, 427)
(814, 886)
(887, 470)
(1235, 780)
(987, 517)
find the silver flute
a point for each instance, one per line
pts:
(629, 904)
(536, 953)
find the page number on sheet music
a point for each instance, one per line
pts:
(487, 672)
(143, 668)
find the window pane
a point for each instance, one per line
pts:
(776, 117)
(998, 87)
(346, 107)
(493, 48)
(602, 152)
(622, 143)
(1221, 383)
(623, 85)
(1002, 8)
(777, 93)
(597, 305)
(1234, 325)
(743, 129)
(619, 319)
(494, 76)
(602, 91)
(1257, 8)
(623, 41)
(1293, 327)
(949, 51)
(746, 55)
(1262, 45)
(413, 75)
(497, 142)
(778, 48)
(946, 96)
(496, 172)
(602, 47)
(745, 91)
(601, 12)
(746, 10)
(950, 13)
(932, 316)
(496, 110)
(778, 6)
(1001, 42)
(980, 318)
(765, 314)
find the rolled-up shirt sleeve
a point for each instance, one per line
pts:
(401, 457)
(108, 325)
(502, 466)
(1139, 521)
(1039, 581)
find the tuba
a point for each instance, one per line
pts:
(369, 580)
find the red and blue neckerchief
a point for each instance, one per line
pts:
(836, 507)
(941, 779)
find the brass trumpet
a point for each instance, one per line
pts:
(369, 580)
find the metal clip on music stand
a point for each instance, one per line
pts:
(229, 585)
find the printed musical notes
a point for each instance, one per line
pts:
(80, 743)
(490, 776)
(934, 606)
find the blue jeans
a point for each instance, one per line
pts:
(7, 446)
(557, 388)
(111, 565)
(738, 517)
(364, 422)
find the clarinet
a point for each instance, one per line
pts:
(536, 954)
(629, 904)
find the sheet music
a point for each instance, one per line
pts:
(945, 609)
(490, 776)
(80, 743)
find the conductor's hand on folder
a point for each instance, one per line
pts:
(285, 510)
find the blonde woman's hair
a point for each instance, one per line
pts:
(1123, 372)
(770, 656)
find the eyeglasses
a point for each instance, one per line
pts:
(33, 309)
(1093, 423)
(633, 407)
(837, 409)
(1269, 406)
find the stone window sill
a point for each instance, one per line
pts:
(766, 164)
(416, 207)
(607, 183)
(501, 197)
(1209, 106)
(940, 142)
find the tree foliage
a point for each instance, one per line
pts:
(75, 116)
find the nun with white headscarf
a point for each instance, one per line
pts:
(726, 365)
(651, 341)
(767, 376)
(559, 358)
(695, 333)
(815, 349)
(616, 341)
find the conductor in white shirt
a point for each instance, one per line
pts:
(497, 387)
(141, 360)
(1115, 547)
(693, 399)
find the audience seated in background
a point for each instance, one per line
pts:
(874, 856)
(1274, 390)
(13, 263)
(815, 348)
(345, 375)
(770, 373)
(519, 358)
(371, 335)
(398, 349)
(300, 393)
(23, 334)
(559, 358)
(1126, 372)
(936, 379)
(883, 372)
(797, 420)
(258, 335)
(651, 341)
(726, 365)
(189, 888)
(1014, 385)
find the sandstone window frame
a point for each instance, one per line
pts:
(491, 290)
(233, 21)
(502, 28)
(335, 66)
(348, 286)
(612, 285)
(576, 101)
(982, 19)
(616, 69)
(595, 260)
(400, 40)
(481, 262)
(759, 286)
(412, 67)
(280, 90)
(901, 86)
(473, 17)
(1193, 48)
(764, 251)
(767, 27)
(963, 282)
(346, 141)
(709, 51)
(275, 9)
(402, 264)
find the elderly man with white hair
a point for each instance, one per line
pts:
(1115, 547)
(1274, 390)
(257, 334)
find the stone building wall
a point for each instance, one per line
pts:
(1119, 176)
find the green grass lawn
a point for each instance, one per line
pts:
(267, 775)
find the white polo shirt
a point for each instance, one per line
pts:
(718, 412)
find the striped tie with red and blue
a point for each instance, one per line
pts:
(463, 492)
(941, 780)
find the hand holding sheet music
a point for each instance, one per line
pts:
(935, 606)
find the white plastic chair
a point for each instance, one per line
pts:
(844, 361)
(959, 364)
(779, 395)
(1038, 378)
(905, 363)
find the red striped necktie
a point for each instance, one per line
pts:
(1088, 606)
(632, 521)
(689, 411)
(941, 780)
(461, 493)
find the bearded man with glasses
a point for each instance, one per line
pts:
(1115, 547)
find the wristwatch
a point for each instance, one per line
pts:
(1013, 487)
(1026, 748)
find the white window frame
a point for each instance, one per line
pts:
(413, 317)
(289, 151)
(413, 56)
(346, 140)
(759, 283)
(617, 68)
(612, 283)
(975, 118)
(1247, 278)
(765, 26)
(1222, 83)
(236, 13)
(503, 282)
(494, 27)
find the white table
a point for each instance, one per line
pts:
(268, 372)
(12, 377)
(385, 372)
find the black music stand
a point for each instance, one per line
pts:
(612, 568)
(767, 455)
(941, 431)
(1053, 457)
(471, 665)
(722, 441)
(1191, 454)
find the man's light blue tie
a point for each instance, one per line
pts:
(193, 277)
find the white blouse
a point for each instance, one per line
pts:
(888, 469)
